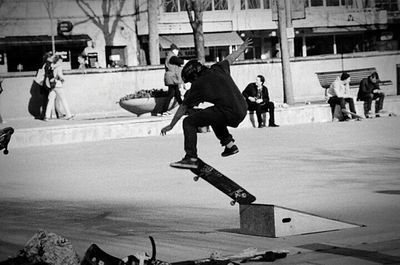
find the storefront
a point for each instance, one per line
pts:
(217, 45)
(25, 53)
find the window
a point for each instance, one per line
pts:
(253, 4)
(317, 3)
(170, 6)
(267, 4)
(242, 4)
(220, 4)
(347, 3)
(332, 2)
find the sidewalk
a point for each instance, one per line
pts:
(108, 126)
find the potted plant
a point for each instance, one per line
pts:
(146, 101)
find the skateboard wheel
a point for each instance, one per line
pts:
(233, 203)
(5, 152)
(196, 178)
(244, 195)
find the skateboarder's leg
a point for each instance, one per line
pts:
(217, 120)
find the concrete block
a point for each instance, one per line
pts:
(276, 221)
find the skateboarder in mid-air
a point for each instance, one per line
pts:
(214, 85)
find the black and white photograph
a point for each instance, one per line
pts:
(199, 132)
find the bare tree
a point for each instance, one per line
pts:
(102, 21)
(49, 4)
(194, 9)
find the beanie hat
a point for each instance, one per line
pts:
(344, 76)
(191, 70)
(174, 47)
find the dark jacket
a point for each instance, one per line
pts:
(366, 88)
(215, 85)
(252, 91)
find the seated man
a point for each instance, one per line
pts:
(257, 98)
(338, 94)
(369, 90)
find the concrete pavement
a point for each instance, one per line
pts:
(116, 193)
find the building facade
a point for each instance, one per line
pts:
(114, 33)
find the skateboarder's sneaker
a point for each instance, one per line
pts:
(230, 151)
(186, 163)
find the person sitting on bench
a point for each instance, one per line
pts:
(369, 90)
(338, 94)
(257, 98)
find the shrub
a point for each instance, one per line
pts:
(146, 93)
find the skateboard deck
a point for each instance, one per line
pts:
(223, 183)
(5, 137)
(382, 114)
(247, 255)
(355, 115)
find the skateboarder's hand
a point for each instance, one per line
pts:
(166, 129)
(247, 43)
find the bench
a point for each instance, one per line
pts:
(356, 75)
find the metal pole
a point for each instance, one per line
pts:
(51, 12)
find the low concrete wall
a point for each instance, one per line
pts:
(97, 90)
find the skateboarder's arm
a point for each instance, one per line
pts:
(234, 55)
(178, 115)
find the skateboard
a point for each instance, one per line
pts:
(382, 114)
(247, 255)
(5, 137)
(354, 115)
(223, 183)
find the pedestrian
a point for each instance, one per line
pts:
(338, 93)
(368, 91)
(257, 98)
(1, 91)
(214, 85)
(172, 77)
(56, 89)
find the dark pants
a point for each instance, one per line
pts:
(333, 101)
(263, 108)
(173, 91)
(209, 116)
(379, 97)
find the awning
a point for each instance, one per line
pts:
(73, 40)
(210, 40)
(343, 29)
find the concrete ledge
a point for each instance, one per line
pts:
(106, 129)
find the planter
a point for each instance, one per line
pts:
(140, 106)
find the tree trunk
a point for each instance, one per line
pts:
(288, 96)
(195, 13)
(154, 42)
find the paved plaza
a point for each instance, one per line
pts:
(116, 193)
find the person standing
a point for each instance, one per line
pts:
(172, 77)
(56, 89)
(257, 98)
(214, 85)
(368, 91)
